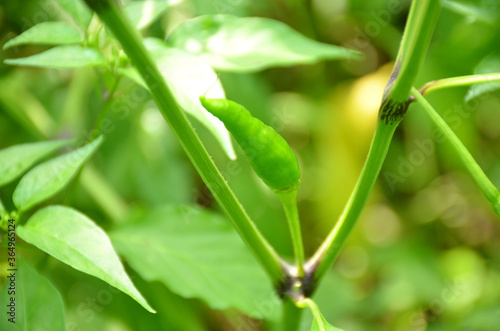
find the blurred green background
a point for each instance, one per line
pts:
(425, 254)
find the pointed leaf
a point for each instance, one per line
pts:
(488, 65)
(47, 33)
(323, 325)
(319, 322)
(142, 13)
(74, 239)
(38, 304)
(188, 77)
(77, 9)
(197, 253)
(48, 178)
(17, 159)
(248, 44)
(62, 57)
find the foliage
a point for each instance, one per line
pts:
(423, 255)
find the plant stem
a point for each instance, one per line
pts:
(178, 122)
(315, 312)
(324, 257)
(421, 21)
(439, 84)
(489, 190)
(291, 315)
(289, 201)
(418, 31)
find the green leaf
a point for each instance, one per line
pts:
(197, 253)
(248, 44)
(78, 11)
(489, 64)
(323, 325)
(319, 322)
(38, 304)
(15, 160)
(62, 57)
(48, 178)
(142, 13)
(189, 77)
(72, 238)
(47, 33)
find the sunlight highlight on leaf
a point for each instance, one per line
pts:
(188, 77)
(249, 44)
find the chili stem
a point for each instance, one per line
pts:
(289, 201)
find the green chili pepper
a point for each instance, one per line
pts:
(269, 154)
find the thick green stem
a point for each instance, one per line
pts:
(291, 315)
(489, 190)
(421, 21)
(439, 84)
(177, 120)
(418, 31)
(289, 200)
(329, 250)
